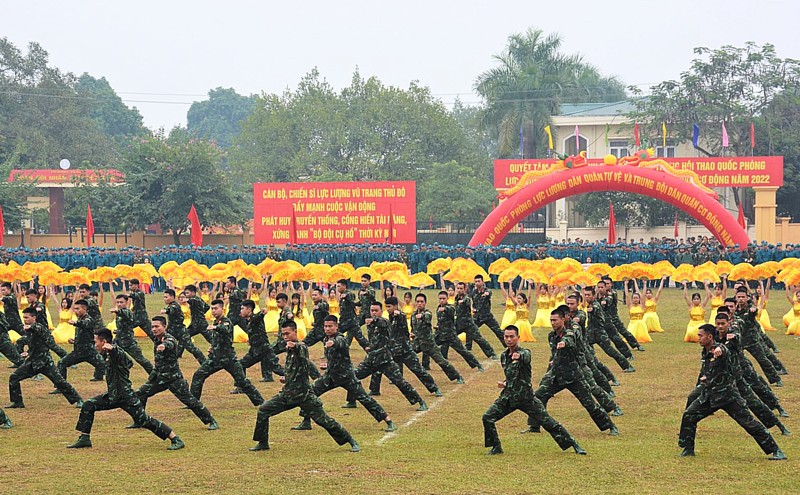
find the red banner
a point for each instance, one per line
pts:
(738, 171)
(335, 212)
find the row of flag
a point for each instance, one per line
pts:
(637, 137)
(194, 221)
(612, 222)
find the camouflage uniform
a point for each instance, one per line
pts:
(447, 336)
(176, 328)
(6, 346)
(140, 317)
(83, 350)
(482, 301)
(198, 324)
(596, 334)
(349, 322)
(465, 323)
(421, 326)
(125, 339)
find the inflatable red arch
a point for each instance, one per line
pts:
(651, 182)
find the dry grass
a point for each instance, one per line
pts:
(441, 452)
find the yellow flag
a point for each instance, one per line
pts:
(549, 136)
(664, 136)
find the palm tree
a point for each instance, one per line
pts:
(532, 80)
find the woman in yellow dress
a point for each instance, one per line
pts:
(697, 313)
(408, 307)
(720, 293)
(43, 295)
(333, 301)
(651, 318)
(636, 326)
(451, 295)
(542, 319)
(64, 331)
(793, 295)
(761, 300)
(510, 314)
(273, 314)
(387, 292)
(522, 323)
(300, 313)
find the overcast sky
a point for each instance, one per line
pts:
(162, 55)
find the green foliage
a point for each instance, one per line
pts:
(367, 131)
(219, 117)
(108, 110)
(451, 193)
(111, 205)
(529, 84)
(42, 117)
(778, 133)
(630, 209)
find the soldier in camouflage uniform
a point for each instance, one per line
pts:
(613, 309)
(124, 338)
(198, 309)
(517, 394)
(260, 351)
(297, 392)
(5, 421)
(482, 302)
(565, 372)
(222, 356)
(339, 373)
(379, 357)
(319, 312)
(466, 323)
(596, 330)
(167, 375)
(608, 301)
(750, 329)
(402, 353)
(37, 360)
(235, 297)
(718, 391)
(349, 321)
(119, 395)
(421, 326)
(84, 350)
(140, 317)
(176, 328)
(446, 334)
(9, 320)
(41, 318)
(366, 296)
(594, 370)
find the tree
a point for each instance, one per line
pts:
(42, 117)
(109, 201)
(367, 131)
(108, 110)
(778, 133)
(165, 176)
(528, 86)
(630, 209)
(219, 117)
(452, 193)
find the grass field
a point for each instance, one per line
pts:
(440, 451)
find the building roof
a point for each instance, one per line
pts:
(596, 109)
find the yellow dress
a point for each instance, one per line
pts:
(510, 315)
(239, 335)
(763, 318)
(64, 331)
(523, 324)
(187, 314)
(788, 318)
(697, 317)
(408, 310)
(716, 303)
(651, 316)
(256, 297)
(794, 326)
(559, 300)
(637, 326)
(542, 319)
(271, 318)
(301, 320)
(333, 306)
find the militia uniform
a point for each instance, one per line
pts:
(223, 357)
(565, 372)
(41, 318)
(119, 395)
(198, 324)
(297, 392)
(39, 361)
(608, 303)
(259, 351)
(317, 333)
(236, 297)
(124, 338)
(403, 354)
(465, 323)
(750, 330)
(612, 310)
(7, 348)
(167, 376)
(349, 322)
(176, 328)
(83, 349)
(340, 373)
(140, 317)
(482, 303)
(421, 326)
(379, 359)
(596, 334)
(518, 395)
(447, 336)
(718, 391)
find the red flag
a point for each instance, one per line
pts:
(752, 135)
(742, 220)
(636, 139)
(293, 231)
(89, 225)
(612, 224)
(2, 226)
(676, 225)
(391, 226)
(197, 230)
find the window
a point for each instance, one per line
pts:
(618, 147)
(569, 145)
(670, 149)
